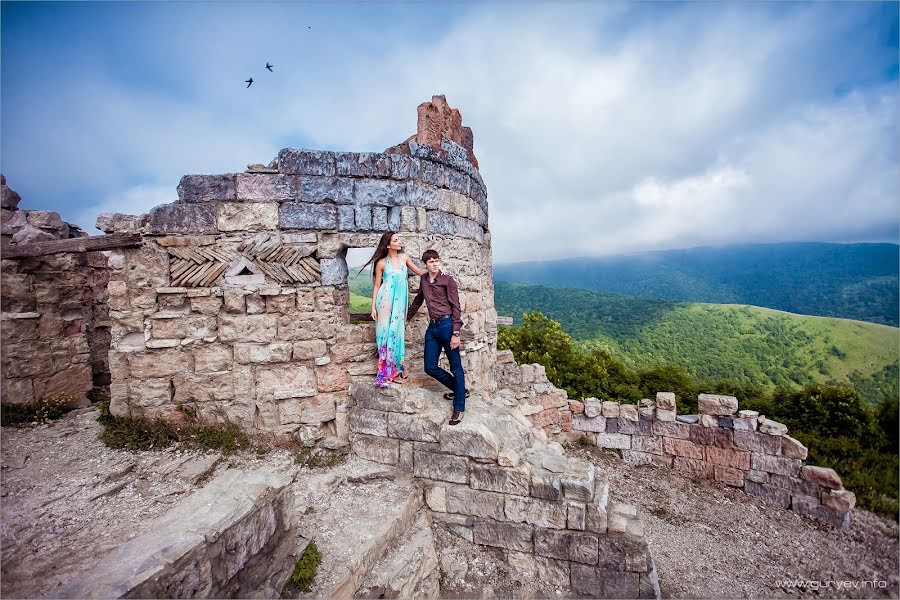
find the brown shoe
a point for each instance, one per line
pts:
(456, 418)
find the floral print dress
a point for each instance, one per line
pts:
(390, 326)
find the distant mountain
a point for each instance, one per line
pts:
(854, 281)
(746, 344)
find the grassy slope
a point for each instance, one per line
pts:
(720, 341)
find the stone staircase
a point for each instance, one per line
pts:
(498, 481)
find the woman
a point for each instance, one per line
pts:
(390, 298)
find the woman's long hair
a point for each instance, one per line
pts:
(380, 252)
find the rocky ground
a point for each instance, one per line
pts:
(66, 500)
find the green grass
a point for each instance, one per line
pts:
(747, 344)
(360, 304)
(305, 570)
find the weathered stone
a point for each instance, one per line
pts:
(377, 449)
(665, 415)
(758, 476)
(421, 427)
(195, 327)
(288, 380)
(313, 410)
(792, 448)
(213, 358)
(247, 328)
(576, 516)
(471, 439)
(602, 583)
(578, 480)
(326, 189)
(737, 459)
(811, 507)
(246, 216)
(346, 218)
(541, 513)
(578, 547)
(443, 467)
(665, 401)
(378, 192)
(794, 484)
(635, 427)
(768, 493)
(757, 442)
(183, 218)
(506, 480)
(685, 448)
(636, 458)
(723, 438)
(309, 350)
(775, 464)
(528, 568)
(202, 188)
(163, 363)
(772, 427)
(628, 412)
(613, 440)
(712, 404)
(554, 461)
(819, 475)
(545, 485)
(265, 187)
(582, 423)
(743, 424)
(672, 429)
(650, 444)
(623, 518)
(512, 536)
(729, 475)
(466, 501)
(709, 421)
(840, 500)
(689, 419)
(306, 162)
(299, 215)
(507, 457)
(436, 498)
(370, 422)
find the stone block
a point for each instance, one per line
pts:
(772, 427)
(506, 480)
(377, 449)
(183, 218)
(811, 507)
(196, 327)
(287, 380)
(326, 189)
(743, 424)
(576, 546)
(665, 400)
(614, 440)
(583, 423)
(528, 568)
(839, 500)
(726, 457)
(421, 427)
(758, 476)
(314, 410)
(272, 187)
(466, 501)
(370, 422)
(578, 481)
(628, 412)
(471, 439)
(346, 218)
(332, 378)
(693, 468)
(512, 536)
(722, 438)
(306, 162)
(792, 448)
(623, 518)
(576, 516)
(649, 444)
(636, 458)
(768, 493)
(775, 464)
(819, 475)
(712, 404)
(634, 427)
(298, 215)
(684, 448)
(602, 583)
(204, 188)
(442, 467)
(379, 192)
(795, 485)
(379, 218)
(757, 442)
(247, 328)
(161, 363)
(309, 349)
(546, 485)
(436, 498)
(542, 513)
(212, 358)
(729, 475)
(247, 216)
(672, 429)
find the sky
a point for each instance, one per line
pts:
(600, 128)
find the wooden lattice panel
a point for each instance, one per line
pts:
(200, 266)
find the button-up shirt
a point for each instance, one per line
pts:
(441, 296)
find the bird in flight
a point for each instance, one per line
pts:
(249, 82)
(269, 66)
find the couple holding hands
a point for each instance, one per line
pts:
(390, 297)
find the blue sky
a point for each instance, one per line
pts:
(600, 128)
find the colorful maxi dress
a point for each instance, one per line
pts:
(390, 326)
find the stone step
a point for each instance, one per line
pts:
(353, 525)
(408, 568)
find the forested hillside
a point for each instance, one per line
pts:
(854, 281)
(745, 344)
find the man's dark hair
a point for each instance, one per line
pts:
(429, 254)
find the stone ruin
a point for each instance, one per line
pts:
(233, 302)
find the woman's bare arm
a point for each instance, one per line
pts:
(412, 267)
(379, 268)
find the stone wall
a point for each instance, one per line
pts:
(236, 304)
(54, 324)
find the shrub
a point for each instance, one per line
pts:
(305, 570)
(41, 411)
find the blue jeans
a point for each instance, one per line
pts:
(436, 337)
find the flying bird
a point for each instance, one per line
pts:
(269, 66)
(249, 82)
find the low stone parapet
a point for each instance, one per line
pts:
(231, 539)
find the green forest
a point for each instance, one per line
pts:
(852, 281)
(744, 344)
(857, 439)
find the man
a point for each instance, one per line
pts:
(440, 292)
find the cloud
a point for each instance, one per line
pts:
(599, 128)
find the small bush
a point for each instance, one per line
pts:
(305, 570)
(322, 458)
(41, 411)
